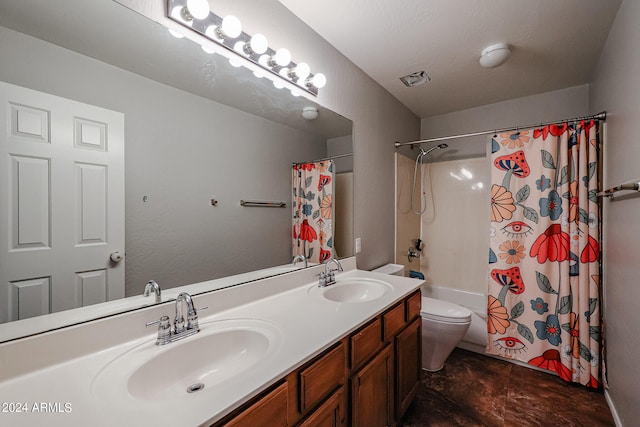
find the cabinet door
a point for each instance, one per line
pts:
(408, 369)
(272, 407)
(372, 390)
(330, 414)
(322, 377)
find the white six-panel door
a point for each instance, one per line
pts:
(61, 203)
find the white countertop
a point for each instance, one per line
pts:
(308, 324)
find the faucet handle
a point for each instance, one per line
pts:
(322, 282)
(331, 277)
(192, 318)
(178, 324)
(164, 329)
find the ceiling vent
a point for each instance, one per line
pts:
(415, 79)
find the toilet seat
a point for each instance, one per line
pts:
(444, 311)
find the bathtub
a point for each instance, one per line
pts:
(476, 337)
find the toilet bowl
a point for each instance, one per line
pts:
(444, 324)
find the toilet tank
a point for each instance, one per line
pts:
(392, 269)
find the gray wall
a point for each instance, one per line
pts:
(615, 88)
(378, 118)
(544, 107)
(181, 150)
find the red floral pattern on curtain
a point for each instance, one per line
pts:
(313, 210)
(544, 275)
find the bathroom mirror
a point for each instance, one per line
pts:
(197, 130)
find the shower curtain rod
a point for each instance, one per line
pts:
(325, 159)
(600, 116)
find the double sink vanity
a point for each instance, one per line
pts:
(277, 351)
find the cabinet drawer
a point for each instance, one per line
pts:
(414, 303)
(272, 407)
(365, 342)
(393, 320)
(322, 377)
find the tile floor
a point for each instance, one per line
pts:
(476, 390)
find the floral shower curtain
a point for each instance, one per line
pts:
(313, 210)
(544, 284)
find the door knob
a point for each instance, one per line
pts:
(116, 257)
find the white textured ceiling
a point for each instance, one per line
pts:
(555, 44)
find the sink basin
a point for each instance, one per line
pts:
(353, 290)
(221, 352)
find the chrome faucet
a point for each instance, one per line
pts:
(327, 277)
(166, 334)
(300, 257)
(152, 286)
(192, 315)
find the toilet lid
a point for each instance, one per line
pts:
(444, 311)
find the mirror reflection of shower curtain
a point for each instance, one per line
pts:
(312, 191)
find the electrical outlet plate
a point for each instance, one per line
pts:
(358, 245)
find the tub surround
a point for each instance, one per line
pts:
(58, 368)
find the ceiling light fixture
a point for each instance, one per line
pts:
(309, 113)
(197, 16)
(494, 55)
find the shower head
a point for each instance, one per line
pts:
(437, 147)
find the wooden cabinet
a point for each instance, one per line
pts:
(332, 413)
(414, 304)
(322, 377)
(368, 378)
(372, 389)
(365, 342)
(272, 407)
(394, 320)
(407, 348)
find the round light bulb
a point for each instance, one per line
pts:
(175, 34)
(258, 44)
(199, 9)
(231, 27)
(282, 57)
(319, 80)
(239, 47)
(235, 63)
(258, 74)
(264, 61)
(302, 70)
(176, 13)
(211, 32)
(278, 84)
(296, 93)
(208, 49)
(284, 72)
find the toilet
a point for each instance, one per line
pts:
(443, 327)
(444, 324)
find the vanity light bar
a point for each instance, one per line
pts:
(228, 33)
